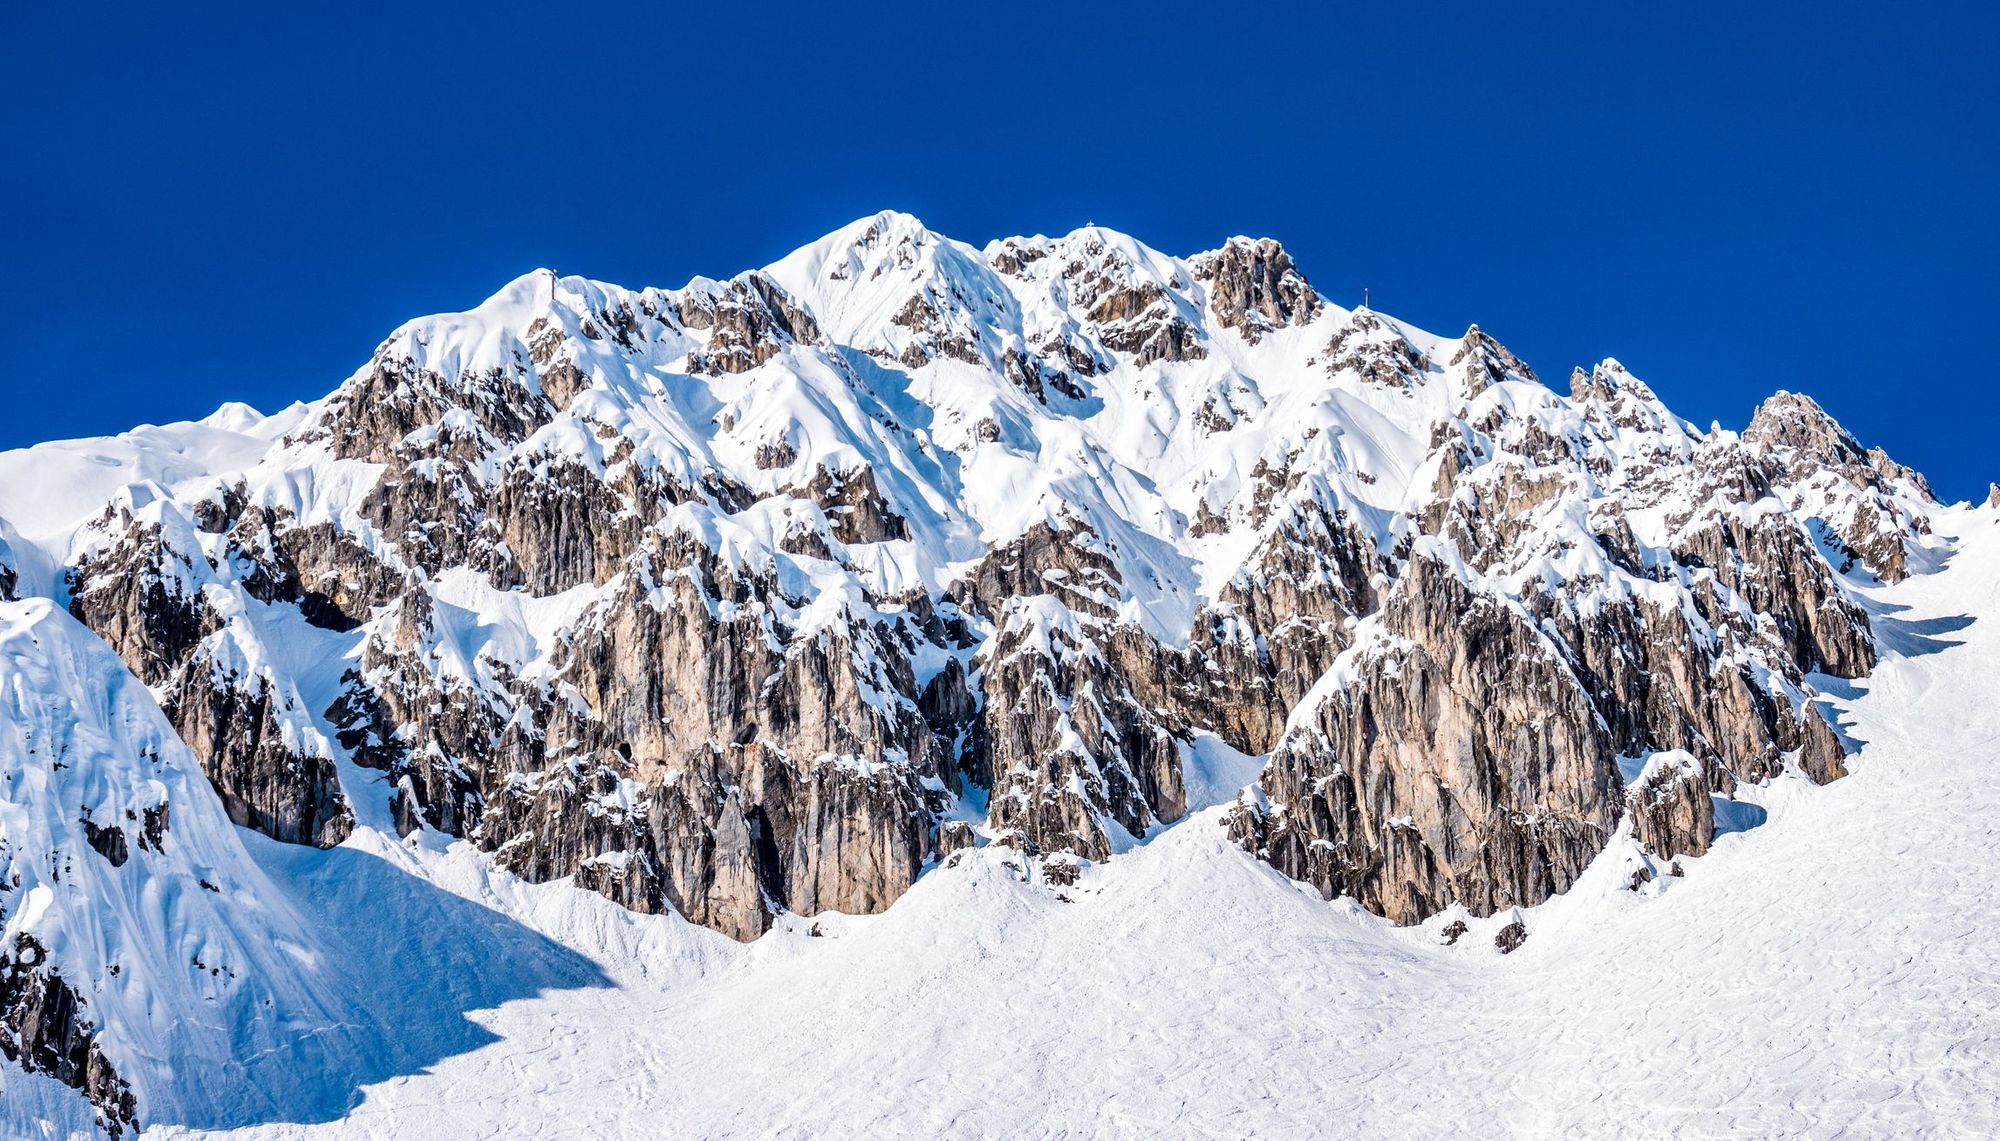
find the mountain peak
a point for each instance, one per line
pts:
(1254, 287)
(233, 416)
(531, 292)
(1794, 420)
(1609, 380)
(1487, 361)
(881, 227)
(880, 231)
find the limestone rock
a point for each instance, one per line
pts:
(1487, 362)
(142, 595)
(1456, 760)
(1672, 814)
(232, 727)
(748, 321)
(1253, 287)
(1372, 349)
(45, 1027)
(1873, 507)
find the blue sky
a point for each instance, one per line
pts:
(215, 202)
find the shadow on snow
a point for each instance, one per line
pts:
(1912, 637)
(1736, 815)
(405, 962)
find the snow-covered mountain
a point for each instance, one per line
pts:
(896, 561)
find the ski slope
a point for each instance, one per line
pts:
(1828, 969)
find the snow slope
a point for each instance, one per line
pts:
(219, 993)
(1826, 972)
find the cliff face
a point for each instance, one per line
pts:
(761, 595)
(1587, 581)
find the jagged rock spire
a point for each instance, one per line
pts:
(1253, 287)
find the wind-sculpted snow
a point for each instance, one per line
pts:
(790, 593)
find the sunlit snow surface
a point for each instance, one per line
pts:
(1832, 971)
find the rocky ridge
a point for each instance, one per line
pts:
(765, 595)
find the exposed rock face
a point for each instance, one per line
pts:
(1143, 324)
(335, 582)
(1374, 350)
(142, 595)
(264, 783)
(1070, 748)
(150, 590)
(1277, 625)
(1254, 287)
(818, 794)
(1873, 509)
(1463, 749)
(1461, 763)
(748, 322)
(732, 600)
(853, 506)
(44, 1028)
(1487, 362)
(1058, 732)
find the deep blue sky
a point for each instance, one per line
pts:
(210, 202)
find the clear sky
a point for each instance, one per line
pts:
(210, 202)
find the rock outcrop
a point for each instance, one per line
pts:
(238, 729)
(1253, 287)
(1458, 760)
(1585, 581)
(45, 1028)
(1873, 509)
(182, 620)
(1670, 806)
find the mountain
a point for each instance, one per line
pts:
(894, 561)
